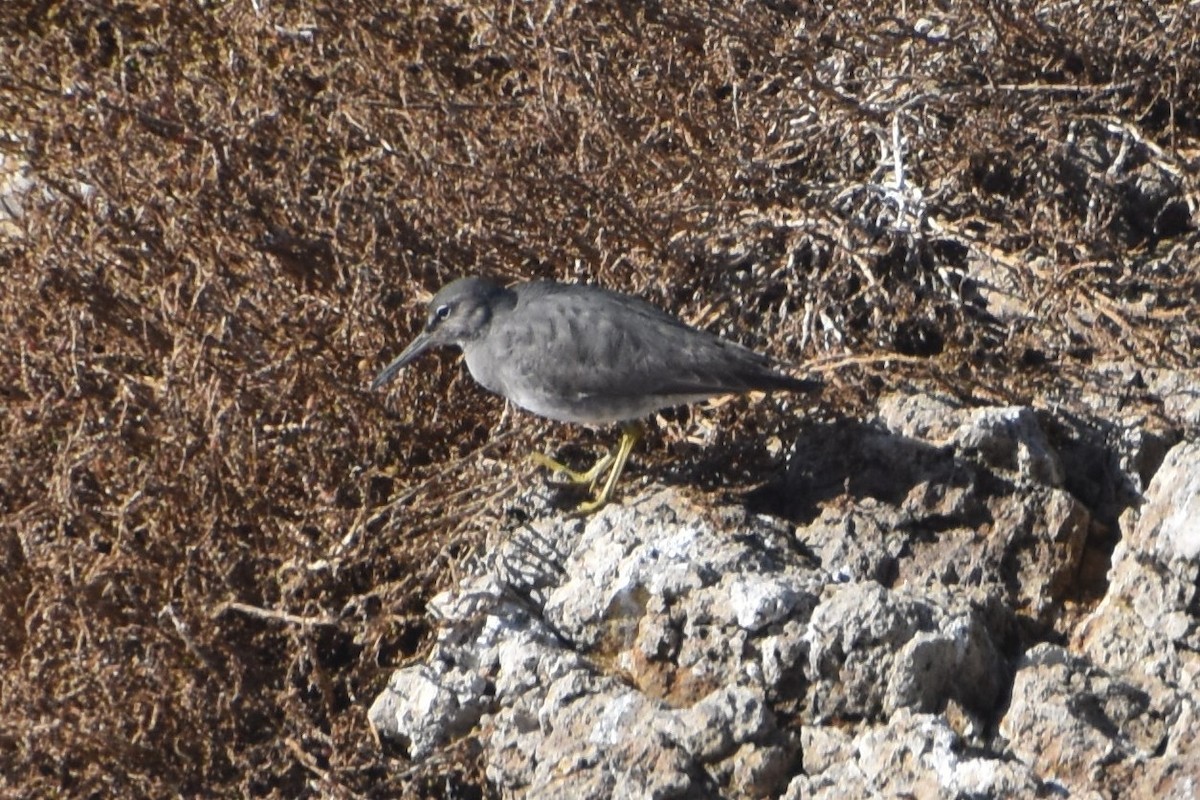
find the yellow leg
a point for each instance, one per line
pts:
(578, 478)
(630, 434)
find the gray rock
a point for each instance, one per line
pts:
(913, 755)
(1146, 625)
(1168, 526)
(1011, 440)
(759, 601)
(1070, 719)
(1144, 631)
(597, 738)
(651, 592)
(977, 504)
(872, 652)
(666, 649)
(721, 722)
(424, 707)
(1179, 393)
(760, 771)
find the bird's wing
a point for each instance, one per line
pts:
(598, 344)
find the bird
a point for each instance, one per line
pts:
(580, 353)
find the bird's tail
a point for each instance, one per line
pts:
(778, 382)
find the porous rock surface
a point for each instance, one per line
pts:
(935, 609)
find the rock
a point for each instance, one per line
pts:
(1145, 628)
(723, 721)
(1168, 527)
(1070, 719)
(872, 652)
(1010, 440)
(760, 771)
(1177, 389)
(920, 416)
(671, 699)
(424, 707)
(902, 635)
(913, 755)
(759, 602)
(1040, 543)
(593, 738)
(677, 603)
(1146, 625)
(977, 503)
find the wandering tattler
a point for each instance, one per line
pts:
(584, 354)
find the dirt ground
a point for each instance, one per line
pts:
(215, 542)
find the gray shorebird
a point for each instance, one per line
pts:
(587, 355)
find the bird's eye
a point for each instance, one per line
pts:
(441, 312)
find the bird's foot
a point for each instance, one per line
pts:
(629, 437)
(588, 478)
(590, 506)
(610, 465)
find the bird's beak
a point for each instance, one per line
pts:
(418, 346)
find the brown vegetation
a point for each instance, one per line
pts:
(215, 543)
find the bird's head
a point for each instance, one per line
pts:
(459, 313)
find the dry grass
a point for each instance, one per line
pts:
(246, 202)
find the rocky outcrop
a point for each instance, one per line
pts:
(921, 615)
